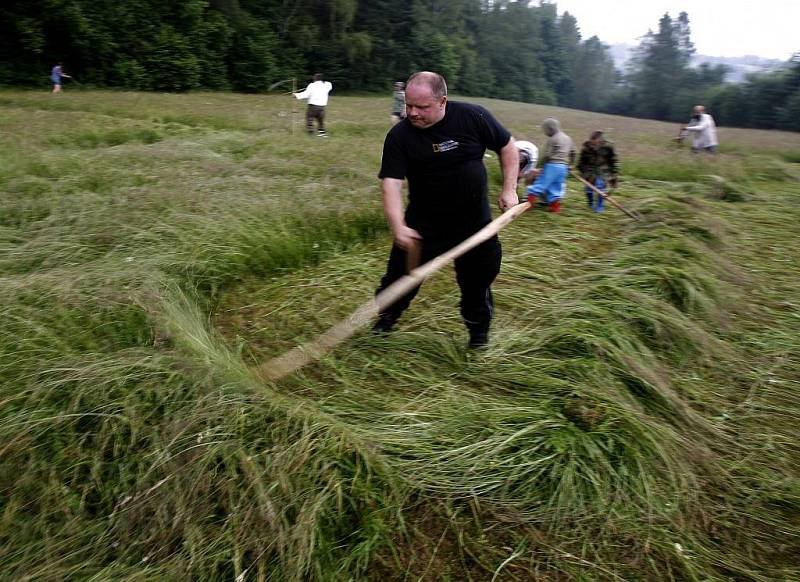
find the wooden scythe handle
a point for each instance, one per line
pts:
(606, 196)
(276, 368)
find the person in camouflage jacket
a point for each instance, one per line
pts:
(598, 165)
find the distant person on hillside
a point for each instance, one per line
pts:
(399, 102)
(528, 156)
(703, 130)
(438, 149)
(558, 156)
(57, 75)
(598, 165)
(317, 95)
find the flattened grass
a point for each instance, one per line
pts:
(633, 417)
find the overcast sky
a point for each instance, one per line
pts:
(728, 28)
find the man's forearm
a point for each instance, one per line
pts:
(509, 162)
(393, 203)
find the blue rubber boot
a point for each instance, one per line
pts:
(600, 201)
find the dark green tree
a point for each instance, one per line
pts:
(557, 62)
(595, 77)
(571, 42)
(510, 40)
(660, 68)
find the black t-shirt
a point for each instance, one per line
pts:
(447, 182)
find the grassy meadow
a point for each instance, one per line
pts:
(634, 417)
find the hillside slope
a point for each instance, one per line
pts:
(633, 418)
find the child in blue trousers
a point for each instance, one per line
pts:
(598, 165)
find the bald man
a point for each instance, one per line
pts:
(438, 150)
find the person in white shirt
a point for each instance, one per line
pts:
(703, 130)
(528, 156)
(317, 95)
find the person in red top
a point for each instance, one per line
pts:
(438, 149)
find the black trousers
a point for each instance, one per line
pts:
(475, 272)
(315, 112)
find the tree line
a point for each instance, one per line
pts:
(506, 49)
(660, 84)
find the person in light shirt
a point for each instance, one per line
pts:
(317, 95)
(528, 156)
(703, 130)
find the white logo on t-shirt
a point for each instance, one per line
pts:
(445, 146)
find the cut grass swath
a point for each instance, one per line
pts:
(300, 356)
(634, 419)
(634, 215)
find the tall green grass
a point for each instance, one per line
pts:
(633, 417)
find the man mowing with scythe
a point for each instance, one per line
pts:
(438, 148)
(317, 95)
(597, 165)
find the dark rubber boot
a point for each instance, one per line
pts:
(384, 324)
(478, 340)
